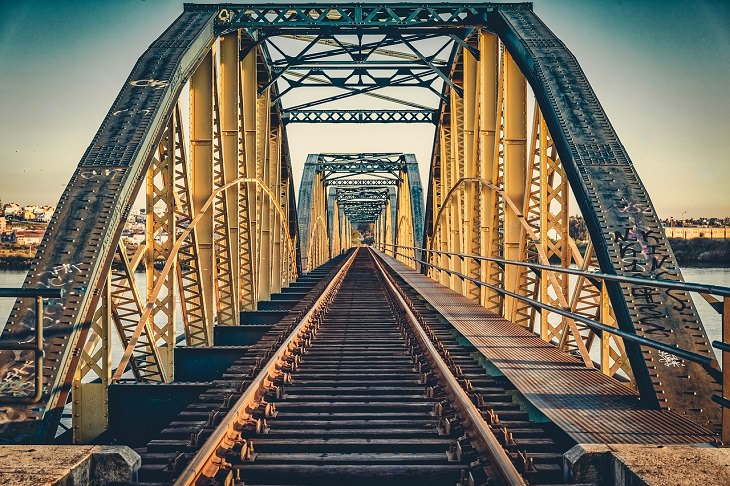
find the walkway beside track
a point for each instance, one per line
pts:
(587, 405)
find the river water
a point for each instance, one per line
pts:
(706, 275)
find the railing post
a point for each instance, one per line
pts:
(726, 369)
(38, 358)
(20, 380)
(604, 312)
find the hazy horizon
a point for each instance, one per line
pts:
(660, 69)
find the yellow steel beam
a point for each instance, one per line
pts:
(263, 127)
(229, 126)
(159, 235)
(226, 288)
(471, 202)
(488, 119)
(249, 260)
(515, 148)
(89, 398)
(189, 277)
(201, 140)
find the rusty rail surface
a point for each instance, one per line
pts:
(479, 427)
(210, 457)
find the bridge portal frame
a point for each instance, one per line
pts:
(619, 215)
(341, 190)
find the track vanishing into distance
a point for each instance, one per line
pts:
(355, 392)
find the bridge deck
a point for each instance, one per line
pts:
(589, 406)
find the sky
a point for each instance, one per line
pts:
(660, 69)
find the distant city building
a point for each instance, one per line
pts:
(11, 210)
(31, 213)
(3, 224)
(29, 236)
(691, 232)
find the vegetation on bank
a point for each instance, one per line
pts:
(15, 262)
(701, 251)
(697, 252)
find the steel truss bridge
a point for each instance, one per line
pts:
(230, 253)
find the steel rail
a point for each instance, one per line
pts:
(207, 457)
(705, 361)
(470, 411)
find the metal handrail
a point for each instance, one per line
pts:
(650, 282)
(700, 359)
(36, 346)
(708, 363)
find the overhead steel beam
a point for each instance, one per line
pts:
(356, 16)
(360, 116)
(363, 182)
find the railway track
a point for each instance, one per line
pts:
(360, 383)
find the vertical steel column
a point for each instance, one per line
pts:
(378, 238)
(446, 204)
(392, 233)
(263, 127)
(488, 118)
(515, 121)
(248, 101)
(471, 202)
(288, 263)
(275, 184)
(225, 287)
(160, 235)
(90, 401)
(457, 204)
(229, 119)
(336, 230)
(404, 219)
(192, 303)
(389, 226)
(345, 235)
(533, 210)
(201, 140)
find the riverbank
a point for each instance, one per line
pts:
(697, 252)
(15, 262)
(701, 252)
(13, 257)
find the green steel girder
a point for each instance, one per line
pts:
(359, 52)
(360, 193)
(366, 67)
(355, 16)
(360, 116)
(363, 182)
